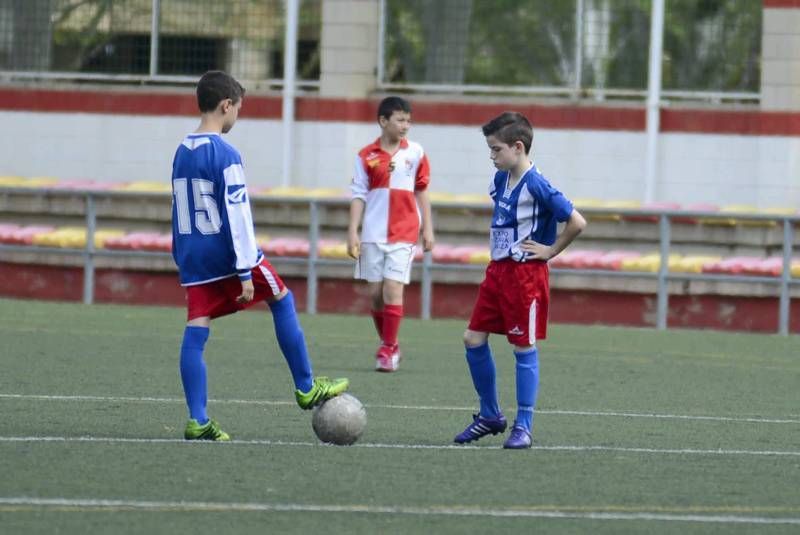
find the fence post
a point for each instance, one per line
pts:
(289, 81)
(313, 255)
(88, 257)
(578, 58)
(784, 307)
(663, 270)
(426, 285)
(654, 98)
(155, 30)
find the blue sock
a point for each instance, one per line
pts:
(193, 372)
(527, 385)
(292, 342)
(481, 367)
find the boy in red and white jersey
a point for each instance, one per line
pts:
(390, 201)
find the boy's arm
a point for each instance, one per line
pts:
(240, 220)
(359, 187)
(353, 241)
(424, 201)
(537, 251)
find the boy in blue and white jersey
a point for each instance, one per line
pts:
(514, 297)
(220, 265)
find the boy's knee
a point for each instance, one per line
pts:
(393, 292)
(474, 338)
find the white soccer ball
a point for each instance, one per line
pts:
(340, 420)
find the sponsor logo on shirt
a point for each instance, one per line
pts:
(501, 239)
(236, 194)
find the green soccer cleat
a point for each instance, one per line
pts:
(322, 389)
(209, 431)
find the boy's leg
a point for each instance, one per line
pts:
(193, 370)
(308, 390)
(528, 300)
(291, 340)
(392, 310)
(377, 320)
(195, 383)
(396, 274)
(527, 385)
(376, 309)
(204, 302)
(484, 376)
(489, 421)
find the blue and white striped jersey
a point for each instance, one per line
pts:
(530, 210)
(212, 225)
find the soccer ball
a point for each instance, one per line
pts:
(339, 420)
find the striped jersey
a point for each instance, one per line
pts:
(212, 225)
(529, 210)
(391, 214)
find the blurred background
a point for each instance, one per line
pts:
(640, 108)
(581, 69)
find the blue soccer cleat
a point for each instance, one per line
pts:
(519, 439)
(480, 427)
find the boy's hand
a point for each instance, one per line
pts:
(247, 292)
(427, 240)
(536, 251)
(353, 246)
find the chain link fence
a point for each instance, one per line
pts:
(110, 38)
(582, 48)
(578, 47)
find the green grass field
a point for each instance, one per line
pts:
(636, 431)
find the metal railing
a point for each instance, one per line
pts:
(317, 208)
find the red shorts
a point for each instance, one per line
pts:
(513, 300)
(218, 298)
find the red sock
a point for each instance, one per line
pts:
(392, 316)
(377, 317)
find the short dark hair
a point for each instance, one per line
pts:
(510, 127)
(389, 105)
(216, 86)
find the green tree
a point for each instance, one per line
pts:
(708, 44)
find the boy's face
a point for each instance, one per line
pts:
(505, 156)
(396, 127)
(230, 112)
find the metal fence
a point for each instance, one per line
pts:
(581, 48)
(596, 48)
(156, 40)
(317, 207)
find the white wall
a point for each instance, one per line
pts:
(723, 169)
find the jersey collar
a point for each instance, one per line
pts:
(376, 145)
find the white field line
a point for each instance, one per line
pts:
(625, 414)
(456, 511)
(368, 445)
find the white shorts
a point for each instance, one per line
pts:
(379, 261)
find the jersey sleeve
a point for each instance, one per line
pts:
(423, 177)
(240, 220)
(493, 186)
(359, 185)
(550, 197)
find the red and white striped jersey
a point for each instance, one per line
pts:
(391, 214)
